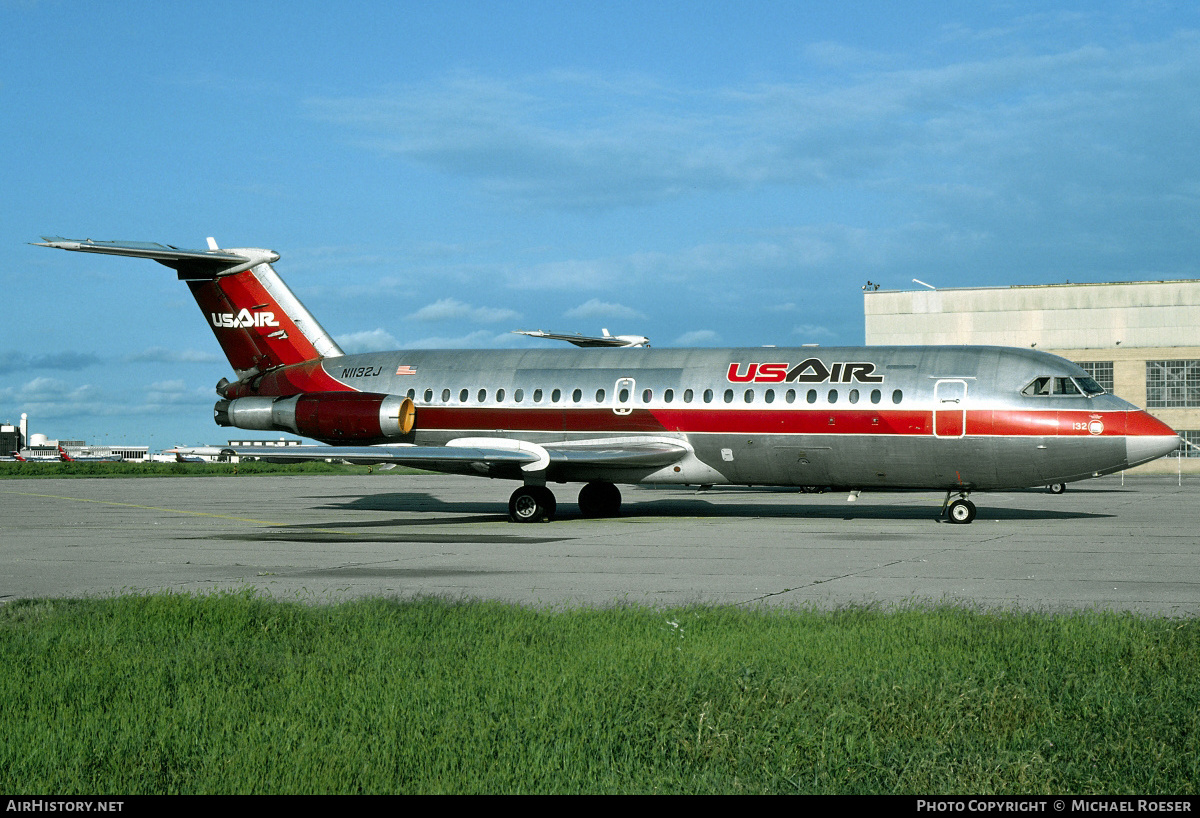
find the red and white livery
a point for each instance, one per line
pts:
(958, 419)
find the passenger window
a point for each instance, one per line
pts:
(897, 396)
(668, 395)
(599, 396)
(853, 396)
(749, 396)
(556, 396)
(832, 396)
(769, 397)
(445, 396)
(499, 395)
(647, 396)
(875, 396)
(537, 396)
(482, 396)
(623, 395)
(791, 396)
(463, 395)
(811, 397)
(729, 396)
(519, 395)
(708, 395)
(577, 395)
(687, 396)
(429, 396)
(411, 394)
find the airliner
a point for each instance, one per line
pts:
(958, 419)
(67, 457)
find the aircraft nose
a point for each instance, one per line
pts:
(1147, 438)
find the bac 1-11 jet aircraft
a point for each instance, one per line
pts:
(957, 419)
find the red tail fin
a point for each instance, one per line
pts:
(258, 321)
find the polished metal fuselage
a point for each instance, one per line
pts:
(858, 417)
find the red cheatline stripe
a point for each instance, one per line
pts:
(742, 421)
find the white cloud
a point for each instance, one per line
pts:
(697, 338)
(597, 309)
(372, 340)
(451, 309)
(480, 339)
(174, 356)
(812, 332)
(67, 361)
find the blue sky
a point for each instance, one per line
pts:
(438, 174)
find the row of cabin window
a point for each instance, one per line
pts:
(668, 396)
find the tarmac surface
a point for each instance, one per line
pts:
(1104, 544)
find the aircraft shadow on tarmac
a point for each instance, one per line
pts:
(478, 511)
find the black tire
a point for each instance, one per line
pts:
(1057, 488)
(600, 499)
(961, 512)
(531, 504)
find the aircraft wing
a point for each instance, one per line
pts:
(495, 457)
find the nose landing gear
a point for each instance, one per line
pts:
(959, 512)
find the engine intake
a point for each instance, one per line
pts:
(332, 417)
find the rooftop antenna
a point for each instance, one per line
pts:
(923, 284)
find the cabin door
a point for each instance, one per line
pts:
(950, 408)
(623, 396)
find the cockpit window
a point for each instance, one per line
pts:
(1062, 386)
(1065, 386)
(1039, 386)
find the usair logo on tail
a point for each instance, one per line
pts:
(244, 318)
(810, 370)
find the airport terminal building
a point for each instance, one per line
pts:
(1140, 339)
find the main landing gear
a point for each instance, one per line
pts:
(536, 504)
(959, 512)
(531, 504)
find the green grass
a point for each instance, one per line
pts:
(240, 694)
(119, 469)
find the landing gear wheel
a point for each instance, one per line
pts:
(599, 499)
(1057, 488)
(531, 504)
(961, 512)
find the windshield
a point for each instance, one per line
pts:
(1061, 386)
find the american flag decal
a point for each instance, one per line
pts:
(405, 369)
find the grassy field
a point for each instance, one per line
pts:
(240, 694)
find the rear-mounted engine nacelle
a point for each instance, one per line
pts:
(342, 417)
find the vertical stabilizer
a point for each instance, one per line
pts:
(258, 321)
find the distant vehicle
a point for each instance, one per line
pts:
(952, 418)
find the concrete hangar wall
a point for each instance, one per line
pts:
(1140, 339)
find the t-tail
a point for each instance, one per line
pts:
(258, 321)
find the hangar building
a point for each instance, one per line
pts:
(1139, 339)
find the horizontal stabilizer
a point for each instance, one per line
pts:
(189, 263)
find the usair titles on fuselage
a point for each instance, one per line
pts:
(614, 411)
